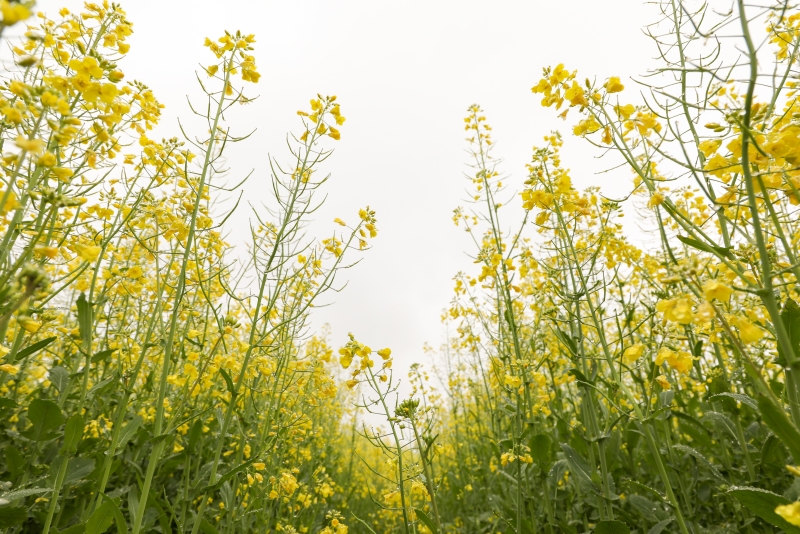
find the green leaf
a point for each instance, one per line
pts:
(6, 403)
(776, 419)
(22, 493)
(711, 249)
(73, 433)
(207, 528)
(59, 377)
(84, 317)
(129, 431)
(425, 520)
(541, 448)
(611, 527)
(567, 340)
(102, 355)
(578, 465)
(659, 527)
(229, 474)
(763, 503)
(45, 416)
(790, 316)
(579, 377)
(30, 349)
(78, 469)
(703, 460)
(12, 515)
(228, 382)
(195, 433)
(119, 519)
(101, 519)
(645, 506)
(100, 385)
(744, 399)
(75, 529)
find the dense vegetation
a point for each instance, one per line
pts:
(154, 379)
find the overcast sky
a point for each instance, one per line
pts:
(405, 73)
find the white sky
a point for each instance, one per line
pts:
(405, 73)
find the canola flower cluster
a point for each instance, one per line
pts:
(590, 382)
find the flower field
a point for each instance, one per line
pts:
(613, 365)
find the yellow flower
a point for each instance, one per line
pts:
(28, 324)
(790, 512)
(749, 332)
(575, 95)
(613, 85)
(88, 252)
(61, 173)
(656, 200)
(11, 202)
(385, 353)
(625, 111)
(709, 146)
(10, 369)
(663, 382)
(513, 381)
(34, 146)
(633, 353)
(585, 126)
(705, 312)
(681, 361)
(338, 221)
(346, 357)
(134, 272)
(676, 310)
(662, 355)
(13, 13)
(288, 483)
(716, 290)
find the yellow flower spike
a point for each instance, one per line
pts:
(614, 85)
